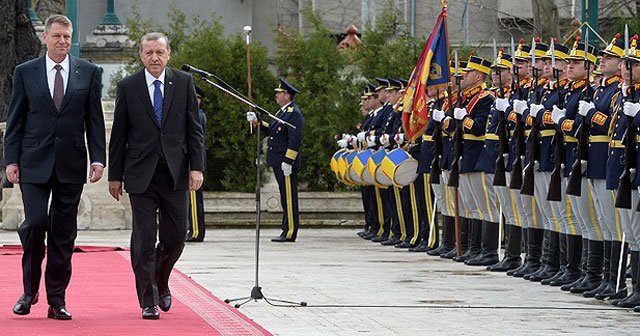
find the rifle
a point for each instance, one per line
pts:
(454, 176)
(434, 175)
(534, 135)
(499, 175)
(516, 168)
(555, 191)
(574, 185)
(623, 196)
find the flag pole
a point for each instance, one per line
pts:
(456, 198)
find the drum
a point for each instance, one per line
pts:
(400, 167)
(360, 166)
(334, 160)
(350, 171)
(343, 167)
(373, 166)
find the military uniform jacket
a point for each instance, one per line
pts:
(570, 123)
(478, 102)
(425, 149)
(491, 149)
(547, 127)
(284, 142)
(380, 120)
(618, 123)
(598, 120)
(447, 144)
(522, 93)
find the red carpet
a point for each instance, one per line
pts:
(102, 299)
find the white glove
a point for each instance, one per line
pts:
(384, 140)
(438, 115)
(342, 143)
(286, 168)
(631, 109)
(361, 136)
(584, 107)
(520, 106)
(557, 114)
(352, 140)
(534, 109)
(502, 104)
(371, 141)
(251, 116)
(459, 113)
(399, 138)
(552, 83)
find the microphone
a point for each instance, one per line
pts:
(189, 68)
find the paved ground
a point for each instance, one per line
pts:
(355, 287)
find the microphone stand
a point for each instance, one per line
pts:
(256, 291)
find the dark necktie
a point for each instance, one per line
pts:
(157, 101)
(58, 88)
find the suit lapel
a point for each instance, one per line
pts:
(143, 93)
(40, 79)
(168, 93)
(74, 76)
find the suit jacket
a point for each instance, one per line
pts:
(284, 142)
(39, 138)
(137, 141)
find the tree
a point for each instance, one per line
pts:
(545, 19)
(46, 8)
(19, 44)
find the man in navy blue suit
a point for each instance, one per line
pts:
(55, 103)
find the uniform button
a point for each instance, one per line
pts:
(270, 137)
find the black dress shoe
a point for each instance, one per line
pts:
(483, 260)
(23, 306)
(194, 240)
(150, 313)
(58, 313)
(422, 247)
(507, 263)
(404, 244)
(164, 301)
(391, 242)
(369, 236)
(380, 239)
(282, 239)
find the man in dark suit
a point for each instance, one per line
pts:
(55, 102)
(283, 147)
(156, 149)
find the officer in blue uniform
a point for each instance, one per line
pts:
(283, 157)
(196, 229)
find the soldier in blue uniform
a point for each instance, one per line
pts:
(597, 116)
(283, 157)
(196, 229)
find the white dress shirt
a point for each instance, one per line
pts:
(152, 88)
(51, 73)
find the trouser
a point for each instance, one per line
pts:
(398, 225)
(196, 229)
(383, 212)
(152, 264)
(630, 219)
(507, 200)
(586, 213)
(551, 218)
(566, 209)
(603, 202)
(60, 227)
(443, 194)
(528, 211)
(288, 186)
(368, 205)
(421, 201)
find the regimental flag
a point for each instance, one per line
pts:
(432, 69)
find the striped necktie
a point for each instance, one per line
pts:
(157, 101)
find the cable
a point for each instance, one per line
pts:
(448, 307)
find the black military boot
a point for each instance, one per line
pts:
(634, 297)
(617, 286)
(593, 276)
(524, 234)
(534, 251)
(551, 264)
(489, 246)
(572, 270)
(448, 237)
(606, 272)
(544, 255)
(583, 266)
(474, 237)
(511, 259)
(464, 239)
(562, 259)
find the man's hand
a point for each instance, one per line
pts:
(399, 138)
(252, 118)
(95, 173)
(630, 109)
(584, 107)
(535, 109)
(384, 140)
(557, 114)
(519, 106)
(438, 115)
(286, 168)
(195, 180)
(502, 104)
(13, 173)
(459, 113)
(371, 141)
(115, 189)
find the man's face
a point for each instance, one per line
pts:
(282, 98)
(547, 70)
(155, 55)
(470, 79)
(609, 65)
(58, 41)
(625, 71)
(576, 70)
(539, 65)
(524, 70)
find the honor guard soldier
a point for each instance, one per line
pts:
(627, 111)
(283, 149)
(196, 229)
(597, 115)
